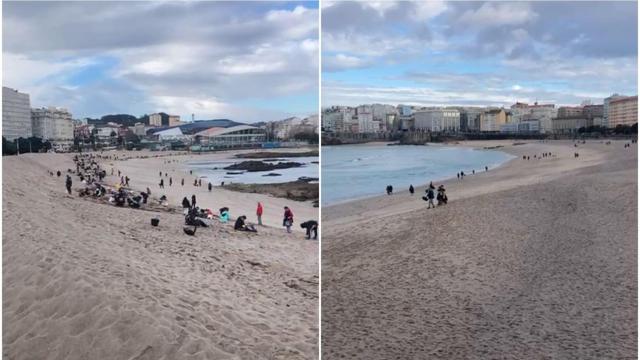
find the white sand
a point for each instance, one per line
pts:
(534, 260)
(83, 280)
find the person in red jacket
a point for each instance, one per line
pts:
(259, 213)
(288, 219)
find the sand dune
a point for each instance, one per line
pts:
(83, 280)
(535, 260)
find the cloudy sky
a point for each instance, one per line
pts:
(477, 53)
(244, 61)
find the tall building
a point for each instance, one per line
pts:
(437, 120)
(623, 111)
(16, 114)
(606, 107)
(155, 120)
(52, 123)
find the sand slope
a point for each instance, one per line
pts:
(88, 281)
(535, 260)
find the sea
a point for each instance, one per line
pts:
(213, 171)
(358, 171)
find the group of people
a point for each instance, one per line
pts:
(431, 193)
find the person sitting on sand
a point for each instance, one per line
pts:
(144, 197)
(310, 226)
(288, 219)
(224, 214)
(241, 226)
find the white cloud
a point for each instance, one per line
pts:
(492, 14)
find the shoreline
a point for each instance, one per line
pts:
(423, 185)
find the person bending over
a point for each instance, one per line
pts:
(310, 226)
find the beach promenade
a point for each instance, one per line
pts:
(536, 259)
(88, 280)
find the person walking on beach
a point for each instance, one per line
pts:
(259, 213)
(126, 180)
(148, 192)
(486, 168)
(389, 189)
(199, 182)
(430, 196)
(288, 219)
(161, 183)
(442, 196)
(170, 181)
(59, 173)
(68, 183)
(160, 173)
(185, 203)
(193, 200)
(182, 182)
(411, 190)
(210, 186)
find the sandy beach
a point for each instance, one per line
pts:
(84, 280)
(536, 259)
(144, 173)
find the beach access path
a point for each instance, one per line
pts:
(535, 259)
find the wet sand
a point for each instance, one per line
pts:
(83, 280)
(536, 259)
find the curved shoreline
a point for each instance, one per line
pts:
(419, 185)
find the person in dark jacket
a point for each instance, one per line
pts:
(68, 184)
(411, 189)
(241, 226)
(310, 226)
(210, 187)
(193, 200)
(185, 203)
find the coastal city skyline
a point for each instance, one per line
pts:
(221, 60)
(322, 180)
(477, 53)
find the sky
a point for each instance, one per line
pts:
(477, 53)
(246, 61)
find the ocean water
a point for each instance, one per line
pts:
(213, 171)
(357, 171)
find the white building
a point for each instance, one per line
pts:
(437, 120)
(16, 114)
(51, 123)
(543, 113)
(365, 122)
(155, 120)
